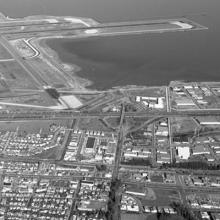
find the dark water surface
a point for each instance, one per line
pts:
(149, 59)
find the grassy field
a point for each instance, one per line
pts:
(134, 123)
(49, 74)
(37, 98)
(4, 54)
(183, 125)
(87, 97)
(30, 126)
(51, 154)
(164, 197)
(113, 122)
(155, 196)
(93, 124)
(15, 76)
(156, 178)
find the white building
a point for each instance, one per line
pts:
(183, 152)
(184, 102)
(208, 121)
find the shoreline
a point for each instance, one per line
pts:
(74, 69)
(67, 67)
(85, 83)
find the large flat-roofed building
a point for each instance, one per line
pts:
(184, 102)
(183, 152)
(151, 102)
(209, 120)
(90, 142)
(200, 149)
(70, 101)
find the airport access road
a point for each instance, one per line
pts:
(32, 72)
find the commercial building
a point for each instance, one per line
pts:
(183, 152)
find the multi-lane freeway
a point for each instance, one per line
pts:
(52, 114)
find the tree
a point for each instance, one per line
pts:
(101, 167)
